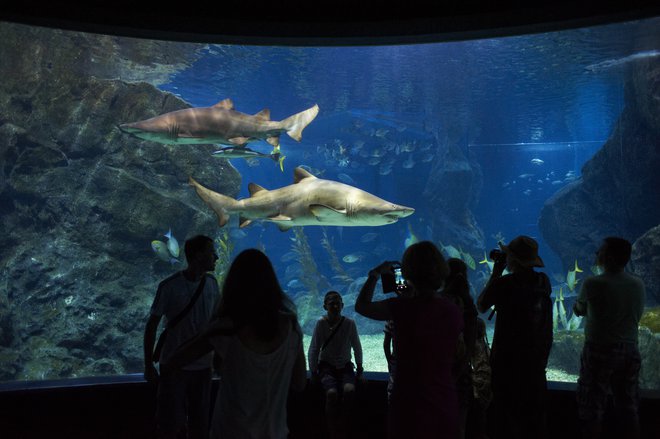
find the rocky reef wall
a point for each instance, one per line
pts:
(451, 192)
(620, 186)
(81, 201)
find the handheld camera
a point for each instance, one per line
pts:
(393, 281)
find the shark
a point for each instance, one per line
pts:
(219, 124)
(309, 201)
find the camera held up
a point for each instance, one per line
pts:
(497, 255)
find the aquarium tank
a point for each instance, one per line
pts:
(109, 163)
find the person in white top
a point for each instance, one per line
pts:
(255, 332)
(330, 362)
(183, 397)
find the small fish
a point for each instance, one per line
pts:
(428, 157)
(345, 178)
(160, 248)
(525, 175)
(468, 259)
(353, 257)
(490, 264)
(536, 161)
(561, 309)
(172, 244)
(232, 152)
(373, 161)
(555, 315)
(596, 270)
(451, 251)
(574, 322)
(527, 192)
(556, 182)
(411, 238)
(368, 237)
(409, 163)
(571, 279)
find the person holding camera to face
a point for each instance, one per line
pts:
(424, 402)
(522, 340)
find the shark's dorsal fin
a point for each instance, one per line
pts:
(325, 213)
(300, 174)
(255, 189)
(227, 104)
(263, 114)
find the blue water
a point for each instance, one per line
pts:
(553, 98)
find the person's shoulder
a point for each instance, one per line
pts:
(169, 280)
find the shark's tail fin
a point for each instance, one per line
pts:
(218, 202)
(294, 125)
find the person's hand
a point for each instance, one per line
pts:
(384, 268)
(151, 374)
(499, 266)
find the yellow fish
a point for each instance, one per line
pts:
(571, 279)
(487, 262)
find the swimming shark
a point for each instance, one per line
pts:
(219, 124)
(309, 201)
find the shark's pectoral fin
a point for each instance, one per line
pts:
(280, 217)
(244, 222)
(325, 213)
(274, 140)
(239, 141)
(283, 222)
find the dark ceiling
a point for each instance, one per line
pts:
(323, 22)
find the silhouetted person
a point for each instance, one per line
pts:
(256, 334)
(613, 303)
(427, 326)
(330, 362)
(522, 340)
(183, 396)
(457, 290)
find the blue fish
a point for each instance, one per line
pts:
(172, 244)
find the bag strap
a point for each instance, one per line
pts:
(175, 321)
(332, 334)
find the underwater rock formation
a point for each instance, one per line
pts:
(645, 263)
(618, 192)
(451, 192)
(81, 203)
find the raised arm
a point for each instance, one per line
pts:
(365, 305)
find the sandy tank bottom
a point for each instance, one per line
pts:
(374, 358)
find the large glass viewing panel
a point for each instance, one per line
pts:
(553, 135)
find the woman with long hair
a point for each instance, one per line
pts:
(427, 328)
(255, 333)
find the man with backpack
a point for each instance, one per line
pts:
(522, 340)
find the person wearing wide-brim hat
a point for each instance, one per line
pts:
(522, 340)
(524, 250)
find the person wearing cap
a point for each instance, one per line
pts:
(522, 340)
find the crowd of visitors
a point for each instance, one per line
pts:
(445, 380)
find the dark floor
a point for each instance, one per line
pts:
(125, 409)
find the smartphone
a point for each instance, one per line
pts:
(398, 279)
(393, 281)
